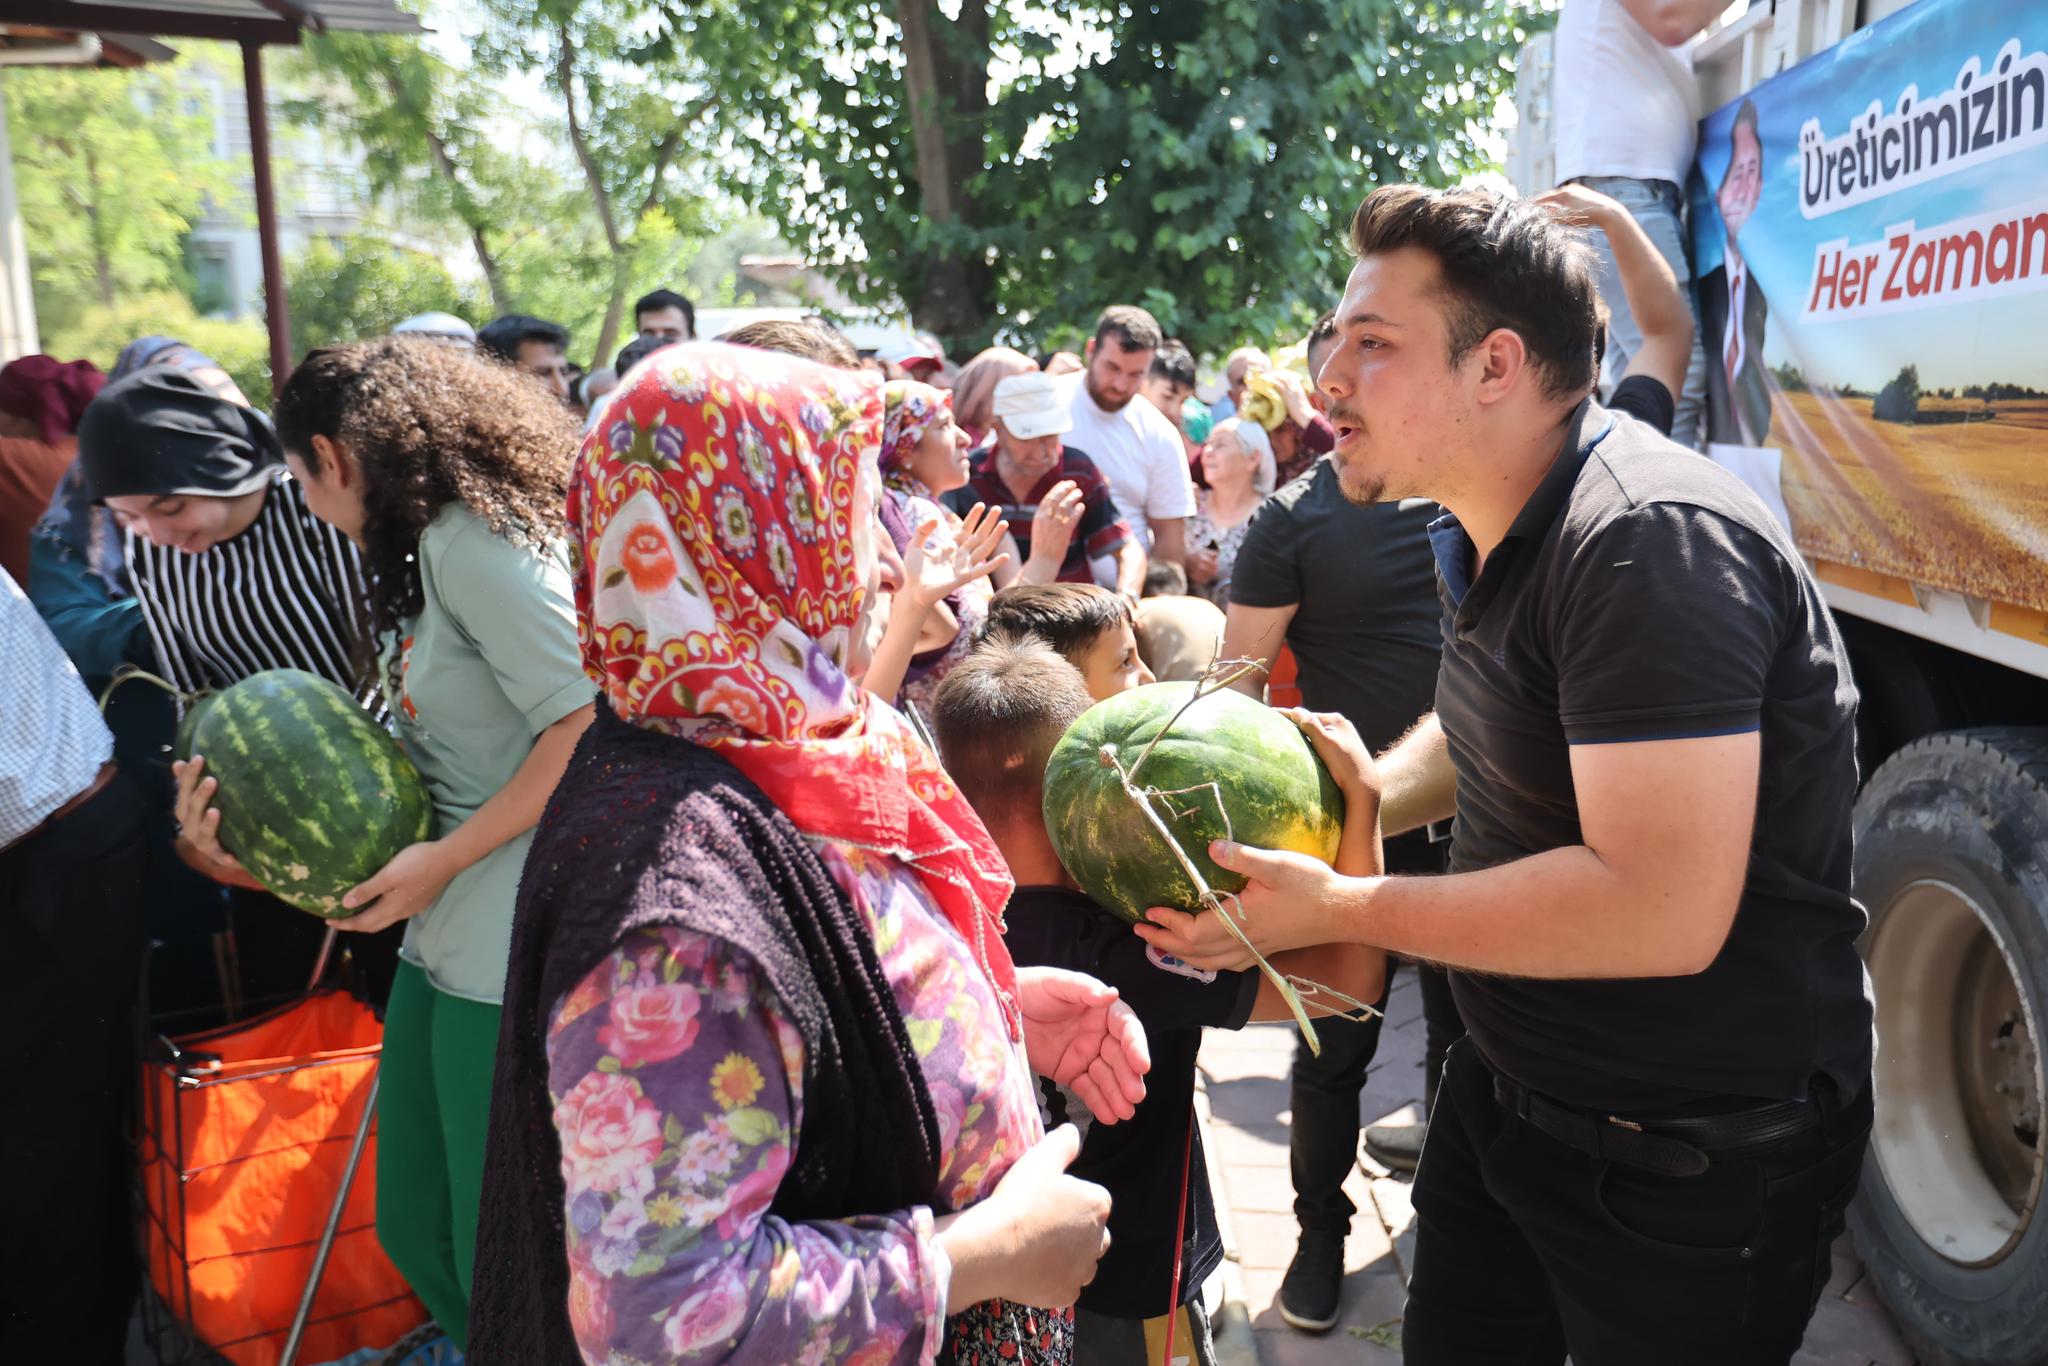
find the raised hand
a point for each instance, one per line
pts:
(1054, 524)
(932, 570)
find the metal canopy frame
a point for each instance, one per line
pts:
(254, 25)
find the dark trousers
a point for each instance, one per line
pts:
(72, 900)
(1527, 1248)
(1322, 1142)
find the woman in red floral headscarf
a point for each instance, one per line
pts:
(765, 1088)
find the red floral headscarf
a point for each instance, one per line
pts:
(722, 515)
(910, 410)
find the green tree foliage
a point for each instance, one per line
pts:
(98, 333)
(954, 156)
(632, 130)
(362, 286)
(1899, 400)
(111, 167)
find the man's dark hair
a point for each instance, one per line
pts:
(657, 299)
(1133, 328)
(1321, 339)
(997, 717)
(1504, 263)
(1745, 117)
(1165, 579)
(1173, 361)
(1067, 616)
(637, 350)
(811, 340)
(501, 337)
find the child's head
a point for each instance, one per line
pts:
(1089, 626)
(996, 718)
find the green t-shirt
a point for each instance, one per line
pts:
(489, 663)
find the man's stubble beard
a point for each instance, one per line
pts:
(1095, 395)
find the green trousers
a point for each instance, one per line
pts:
(433, 1105)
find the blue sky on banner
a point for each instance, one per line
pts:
(1953, 344)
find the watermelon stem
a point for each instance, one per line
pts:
(128, 673)
(1211, 681)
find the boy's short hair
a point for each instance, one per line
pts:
(1173, 361)
(1165, 579)
(1067, 616)
(996, 718)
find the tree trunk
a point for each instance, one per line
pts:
(465, 206)
(565, 80)
(945, 77)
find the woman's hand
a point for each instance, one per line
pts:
(1338, 744)
(1053, 526)
(1036, 1239)
(1078, 1033)
(1201, 567)
(198, 824)
(974, 554)
(400, 890)
(1291, 902)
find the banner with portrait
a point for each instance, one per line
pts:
(1870, 232)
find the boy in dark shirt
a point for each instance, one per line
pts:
(997, 717)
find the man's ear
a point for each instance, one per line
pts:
(1088, 351)
(1503, 363)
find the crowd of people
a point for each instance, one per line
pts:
(740, 1009)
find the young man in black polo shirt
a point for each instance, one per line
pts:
(1352, 592)
(1644, 728)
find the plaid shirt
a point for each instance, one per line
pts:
(52, 741)
(1102, 530)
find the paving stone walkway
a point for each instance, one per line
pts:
(1244, 1079)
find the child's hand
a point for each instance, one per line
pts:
(1338, 745)
(932, 568)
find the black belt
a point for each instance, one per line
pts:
(1674, 1147)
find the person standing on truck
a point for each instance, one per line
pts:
(1626, 114)
(1645, 730)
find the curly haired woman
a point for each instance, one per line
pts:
(450, 473)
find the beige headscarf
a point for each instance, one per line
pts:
(974, 391)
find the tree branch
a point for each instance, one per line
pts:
(565, 77)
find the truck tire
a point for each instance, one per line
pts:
(1952, 862)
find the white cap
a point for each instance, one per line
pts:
(1032, 406)
(908, 351)
(439, 326)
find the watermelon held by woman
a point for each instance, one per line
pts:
(314, 795)
(1226, 767)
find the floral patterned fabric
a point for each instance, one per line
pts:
(909, 410)
(677, 1082)
(723, 515)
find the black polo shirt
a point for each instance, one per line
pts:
(1644, 594)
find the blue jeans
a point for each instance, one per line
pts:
(1659, 208)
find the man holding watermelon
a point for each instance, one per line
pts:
(1644, 728)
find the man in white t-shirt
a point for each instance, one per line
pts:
(1626, 111)
(1132, 443)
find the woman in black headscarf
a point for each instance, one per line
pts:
(233, 575)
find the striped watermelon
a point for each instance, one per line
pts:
(314, 795)
(1266, 776)
(196, 706)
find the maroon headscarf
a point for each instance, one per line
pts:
(49, 392)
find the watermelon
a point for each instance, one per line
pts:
(1265, 773)
(196, 706)
(314, 795)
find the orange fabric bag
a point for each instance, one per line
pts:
(241, 1159)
